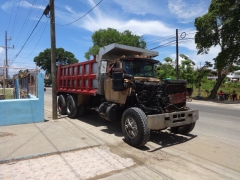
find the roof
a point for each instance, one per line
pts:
(113, 51)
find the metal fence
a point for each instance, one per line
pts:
(18, 83)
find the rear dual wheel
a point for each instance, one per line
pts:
(71, 107)
(62, 107)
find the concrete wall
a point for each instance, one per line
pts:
(23, 111)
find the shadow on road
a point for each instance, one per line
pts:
(163, 138)
(167, 139)
(108, 127)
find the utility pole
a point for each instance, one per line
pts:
(177, 53)
(6, 51)
(53, 60)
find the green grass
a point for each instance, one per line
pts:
(208, 85)
(8, 93)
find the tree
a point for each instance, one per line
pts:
(220, 27)
(202, 73)
(43, 60)
(186, 68)
(166, 69)
(104, 37)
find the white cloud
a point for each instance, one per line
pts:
(1, 51)
(138, 27)
(99, 20)
(180, 59)
(70, 10)
(7, 5)
(188, 43)
(141, 8)
(192, 54)
(186, 11)
(201, 58)
(26, 4)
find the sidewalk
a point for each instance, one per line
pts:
(57, 149)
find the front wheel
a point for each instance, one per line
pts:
(134, 127)
(185, 129)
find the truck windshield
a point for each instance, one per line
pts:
(139, 68)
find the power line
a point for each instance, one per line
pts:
(10, 15)
(163, 45)
(170, 43)
(15, 19)
(38, 41)
(24, 24)
(173, 35)
(44, 13)
(170, 37)
(161, 40)
(81, 16)
(60, 8)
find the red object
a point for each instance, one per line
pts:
(177, 98)
(221, 93)
(77, 78)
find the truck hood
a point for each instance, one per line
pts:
(147, 79)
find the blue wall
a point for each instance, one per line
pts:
(23, 111)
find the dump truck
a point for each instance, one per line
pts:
(121, 85)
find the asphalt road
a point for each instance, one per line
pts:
(218, 121)
(211, 151)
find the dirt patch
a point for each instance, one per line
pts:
(4, 134)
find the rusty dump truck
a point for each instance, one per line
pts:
(120, 84)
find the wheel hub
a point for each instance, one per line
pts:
(131, 128)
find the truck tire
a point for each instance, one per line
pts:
(71, 107)
(185, 129)
(62, 107)
(174, 130)
(102, 110)
(134, 127)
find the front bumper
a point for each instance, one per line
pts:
(162, 121)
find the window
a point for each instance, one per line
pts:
(139, 68)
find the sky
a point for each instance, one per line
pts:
(155, 20)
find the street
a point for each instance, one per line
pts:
(211, 151)
(88, 147)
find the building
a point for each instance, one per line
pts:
(232, 76)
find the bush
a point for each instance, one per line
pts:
(208, 85)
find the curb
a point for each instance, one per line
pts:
(217, 102)
(43, 155)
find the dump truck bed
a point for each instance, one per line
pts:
(85, 77)
(79, 78)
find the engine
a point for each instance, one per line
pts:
(157, 98)
(151, 97)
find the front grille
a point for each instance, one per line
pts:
(175, 88)
(174, 96)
